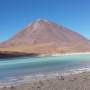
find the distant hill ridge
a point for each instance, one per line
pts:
(45, 37)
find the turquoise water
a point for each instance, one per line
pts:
(35, 65)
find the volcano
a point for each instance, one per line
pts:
(45, 37)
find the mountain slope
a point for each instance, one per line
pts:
(43, 36)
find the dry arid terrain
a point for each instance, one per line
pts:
(71, 82)
(45, 37)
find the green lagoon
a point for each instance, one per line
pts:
(36, 65)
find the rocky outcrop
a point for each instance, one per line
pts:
(7, 54)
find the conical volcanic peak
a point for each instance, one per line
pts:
(36, 24)
(43, 36)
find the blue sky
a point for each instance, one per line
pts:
(15, 14)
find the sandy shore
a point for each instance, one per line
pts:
(73, 81)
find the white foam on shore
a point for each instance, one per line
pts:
(15, 81)
(64, 54)
(79, 53)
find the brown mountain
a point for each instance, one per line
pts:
(44, 37)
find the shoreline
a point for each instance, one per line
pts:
(29, 79)
(64, 54)
(5, 55)
(68, 81)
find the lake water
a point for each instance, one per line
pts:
(36, 65)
